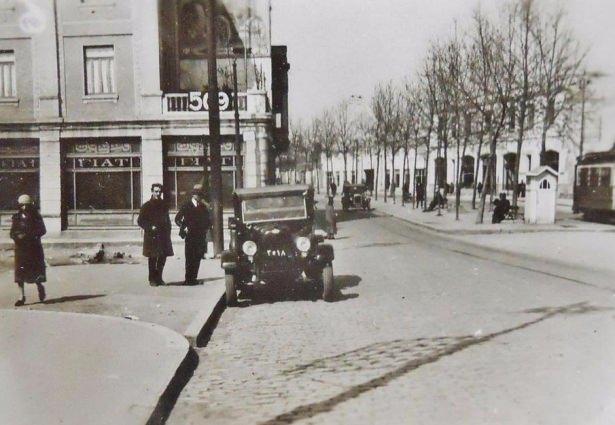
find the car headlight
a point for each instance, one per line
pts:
(249, 247)
(303, 244)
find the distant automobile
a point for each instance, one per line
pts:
(355, 196)
(272, 240)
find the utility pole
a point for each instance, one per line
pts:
(214, 130)
(583, 85)
(238, 157)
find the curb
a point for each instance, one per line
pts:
(202, 326)
(497, 230)
(490, 250)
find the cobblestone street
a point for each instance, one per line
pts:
(417, 334)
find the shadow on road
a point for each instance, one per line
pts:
(198, 282)
(397, 358)
(353, 215)
(301, 291)
(70, 299)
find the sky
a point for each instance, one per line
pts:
(343, 48)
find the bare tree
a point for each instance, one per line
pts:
(343, 130)
(382, 108)
(559, 64)
(523, 18)
(492, 68)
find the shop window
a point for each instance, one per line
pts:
(99, 70)
(103, 175)
(8, 79)
(19, 172)
(183, 169)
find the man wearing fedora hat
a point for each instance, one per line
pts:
(27, 228)
(194, 222)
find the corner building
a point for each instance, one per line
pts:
(99, 99)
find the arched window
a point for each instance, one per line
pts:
(544, 184)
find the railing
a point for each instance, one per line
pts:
(195, 102)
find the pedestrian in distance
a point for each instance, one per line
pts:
(333, 188)
(194, 223)
(156, 224)
(479, 187)
(330, 218)
(502, 206)
(27, 228)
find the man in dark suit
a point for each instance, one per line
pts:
(194, 222)
(154, 220)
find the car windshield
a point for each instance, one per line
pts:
(289, 207)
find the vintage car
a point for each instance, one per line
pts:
(355, 196)
(272, 240)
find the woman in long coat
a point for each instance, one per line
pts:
(27, 228)
(330, 218)
(154, 220)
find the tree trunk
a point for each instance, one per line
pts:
(414, 186)
(480, 146)
(403, 174)
(483, 195)
(384, 159)
(377, 172)
(317, 178)
(458, 186)
(392, 186)
(425, 197)
(518, 162)
(543, 142)
(458, 178)
(345, 156)
(327, 182)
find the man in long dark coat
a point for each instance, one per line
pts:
(27, 228)
(154, 220)
(194, 222)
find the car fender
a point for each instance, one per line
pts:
(228, 260)
(324, 253)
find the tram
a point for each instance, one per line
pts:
(594, 186)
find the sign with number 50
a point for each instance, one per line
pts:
(198, 101)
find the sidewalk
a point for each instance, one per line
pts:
(112, 364)
(569, 241)
(62, 368)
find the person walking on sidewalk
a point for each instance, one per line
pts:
(330, 218)
(27, 228)
(154, 220)
(194, 222)
(333, 188)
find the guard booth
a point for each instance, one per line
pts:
(541, 195)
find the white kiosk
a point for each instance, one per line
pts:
(541, 195)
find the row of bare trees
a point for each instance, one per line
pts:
(478, 89)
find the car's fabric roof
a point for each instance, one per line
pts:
(272, 190)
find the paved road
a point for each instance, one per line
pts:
(423, 331)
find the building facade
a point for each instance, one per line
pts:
(561, 154)
(99, 99)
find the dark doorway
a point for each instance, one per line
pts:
(552, 159)
(467, 171)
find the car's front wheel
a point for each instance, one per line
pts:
(327, 283)
(230, 281)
